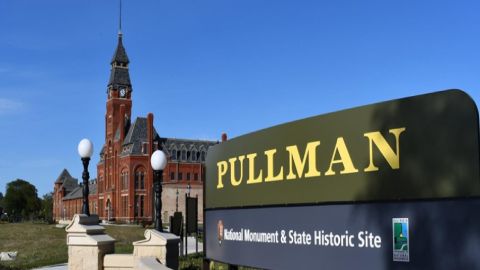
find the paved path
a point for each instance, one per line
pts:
(191, 245)
(191, 250)
(54, 267)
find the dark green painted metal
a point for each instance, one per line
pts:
(439, 155)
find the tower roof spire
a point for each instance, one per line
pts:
(120, 55)
(119, 75)
(120, 19)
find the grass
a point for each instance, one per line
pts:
(125, 236)
(194, 262)
(37, 245)
(41, 244)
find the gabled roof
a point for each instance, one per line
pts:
(93, 186)
(173, 148)
(136, 135)
(78, 191)
(67, 181)
(179, 144)
(63, 175)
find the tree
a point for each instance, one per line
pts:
(1, 204)
(21, 200)
(47, 207)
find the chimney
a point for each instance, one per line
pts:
(149, 143)
(150, 133)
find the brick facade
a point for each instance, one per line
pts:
(67, 197)
(123, 190)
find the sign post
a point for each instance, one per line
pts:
(191, 212)
(176, 227)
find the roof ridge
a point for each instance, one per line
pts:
(62, 175)
(190, 140)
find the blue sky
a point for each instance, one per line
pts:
(207, 67)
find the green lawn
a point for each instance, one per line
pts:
(41, 244)
(37, 245)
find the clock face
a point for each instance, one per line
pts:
(122, 92)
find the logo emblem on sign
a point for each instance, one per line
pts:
(401, 247)
(220, 231)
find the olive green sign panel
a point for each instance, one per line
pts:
(422, 147)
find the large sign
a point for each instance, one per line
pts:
(408, 235)
(291, 178)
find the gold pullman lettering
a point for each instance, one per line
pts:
(305, 166)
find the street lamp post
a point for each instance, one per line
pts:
(85, 150)
(158, 162)
(188, 189)
(176, 204)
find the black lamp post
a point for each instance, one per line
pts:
(158, 162)
(189, 188)
(85, 150)
(176, 204)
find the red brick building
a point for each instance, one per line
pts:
(68, 199)
(123, 191)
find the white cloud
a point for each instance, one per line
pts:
(8, 106)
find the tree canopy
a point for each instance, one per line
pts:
(46, 211)
(1, 203)
(21, 199)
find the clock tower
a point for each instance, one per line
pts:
(117, 124)
(119, 93)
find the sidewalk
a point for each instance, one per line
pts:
(190, 249)
(191, 245)
(54, 267)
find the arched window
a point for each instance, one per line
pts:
(184, 155)
(124, 179)
(188, 155)
(203, 156)
(140, 178)
(100, 184)
(139, 205)
(194, 155)
(174, 154)
(109, 209)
